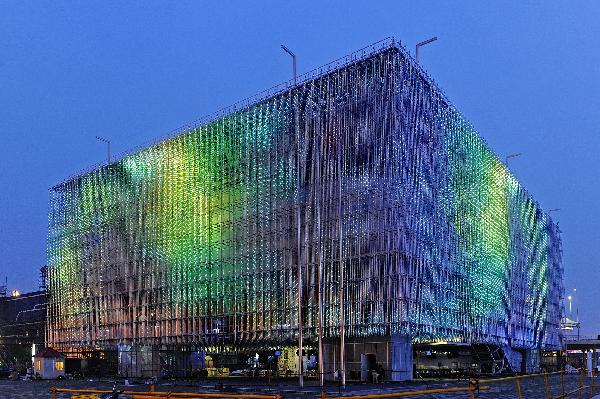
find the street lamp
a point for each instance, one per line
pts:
(300, 344)
(508, 225)
(107, 143)
(421, 44)
(518, 154)
(287, 50)
(570, 298)
(577, 312)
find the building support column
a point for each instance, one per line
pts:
(402, 358)
(532, 360)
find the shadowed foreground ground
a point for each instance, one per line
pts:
(532, 388)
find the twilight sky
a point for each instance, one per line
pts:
(526, 75)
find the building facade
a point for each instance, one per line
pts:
(360, 194)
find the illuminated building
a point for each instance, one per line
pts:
(363, 166)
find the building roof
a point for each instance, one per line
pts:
(49, 353)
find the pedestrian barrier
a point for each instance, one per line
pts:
(554, 385)
(472, 388)
(151, 394)
(557, 385)
(93, 393)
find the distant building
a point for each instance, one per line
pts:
(357, 202)
(581, 352)
(22, 324)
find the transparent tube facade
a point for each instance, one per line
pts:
(194, 240)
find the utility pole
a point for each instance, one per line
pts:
(298, 204)
(421, 44)
(107, 144)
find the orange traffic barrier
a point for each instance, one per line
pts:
(568, 394)
(519, 376)
(580, 390)
(412, 393)
(159, 395)
(182, 395)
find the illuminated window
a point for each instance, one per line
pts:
(59, 365)
(38, 364)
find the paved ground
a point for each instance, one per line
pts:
(532, 388)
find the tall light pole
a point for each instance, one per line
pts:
(299, 257)
(571, 298)
(108, 146)
(577, 313)
(421, 44)
(509, 269)
(569, 324)
(518, 154)
(287, 50)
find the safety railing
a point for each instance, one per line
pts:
(472, 388)
(557, 385)
(151, 394)
(577, 385)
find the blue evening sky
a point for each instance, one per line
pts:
(526, 74)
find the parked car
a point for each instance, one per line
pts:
(242, 372)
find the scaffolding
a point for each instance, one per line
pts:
(362, 172)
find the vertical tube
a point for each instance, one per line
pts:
(547, 386)
(518, 384)
(566, 355)
(320, 321)
(508, 283)
(341, 271)
(299, 260)
(319, 272)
